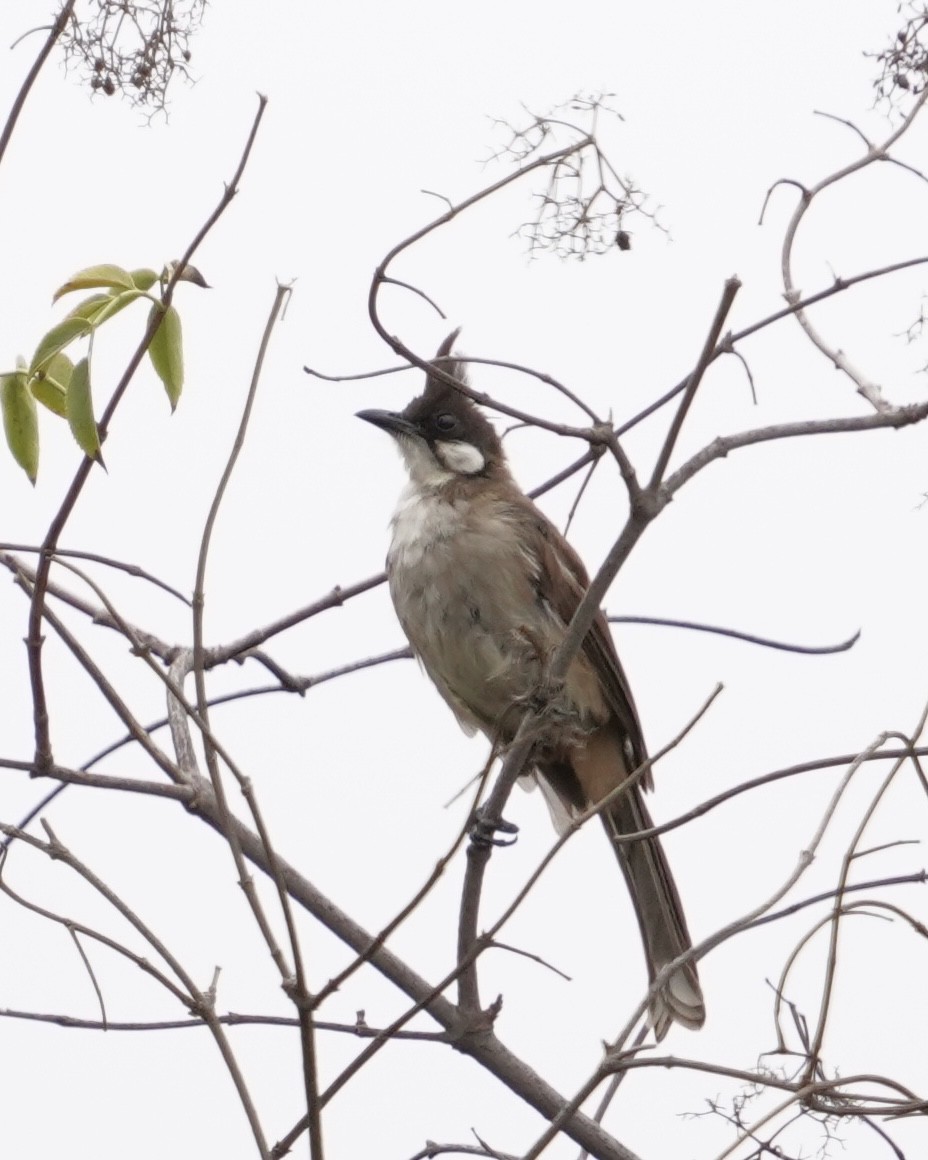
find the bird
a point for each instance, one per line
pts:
(484, 587)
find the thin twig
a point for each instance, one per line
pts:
(698, 951)
(143, 964)
(613, 1086)
(43, 747)
(831, 965)
(404, 912)
(865, 388)
(732, 286)
(893, 418)
(96, 558)
(287, 1022)
(735, 634)
(295, 986)
(19, 102)
(918, 878)
(196, 999)
(579, 496)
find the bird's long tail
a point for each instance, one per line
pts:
(659, 912)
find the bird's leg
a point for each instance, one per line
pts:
(545, 699)
(483, 830)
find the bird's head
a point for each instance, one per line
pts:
(441, 434)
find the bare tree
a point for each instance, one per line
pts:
(583, 208)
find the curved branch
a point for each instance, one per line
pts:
(734, 634)
(867, 389)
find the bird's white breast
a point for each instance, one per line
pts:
(421, 520)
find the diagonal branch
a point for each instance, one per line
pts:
(732, 286)
(55, 32)
(43, 746)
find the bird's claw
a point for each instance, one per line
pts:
(483, 830)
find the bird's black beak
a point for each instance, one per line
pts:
(391, 421)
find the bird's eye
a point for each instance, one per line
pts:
(446, 421)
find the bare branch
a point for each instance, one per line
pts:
(865, 388)
(197, 1000)
(34, 635)
(95, 557)
(735, 634)
(732, 286)
(892, 417)
(57, 28)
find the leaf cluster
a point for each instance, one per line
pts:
(62, 386)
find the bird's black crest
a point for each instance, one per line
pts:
(437, 391)
(440, 396)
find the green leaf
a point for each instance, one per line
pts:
(116, 303)
(105, 275)
(20, 422)
(56, 340)
(59, 369)
(89, 308)
(80, 412)
(50, 395)
(96, 309)
(143, 279)
(166, 351)
(50, 386)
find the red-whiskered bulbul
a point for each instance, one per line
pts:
(484, 587)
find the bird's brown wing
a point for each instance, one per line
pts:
(558, 558)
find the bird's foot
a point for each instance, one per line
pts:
(483, 831)
(556, 718)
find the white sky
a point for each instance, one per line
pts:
(370, 104)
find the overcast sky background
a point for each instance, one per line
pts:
(369, 105)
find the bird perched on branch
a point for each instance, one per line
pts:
(484, 587)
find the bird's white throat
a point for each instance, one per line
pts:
(429, 468)
(422, 518)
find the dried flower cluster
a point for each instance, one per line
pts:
(585, 204)
(133, 49)
(904, 63)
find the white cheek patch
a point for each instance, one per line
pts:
(463, 458)
(424, 469)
